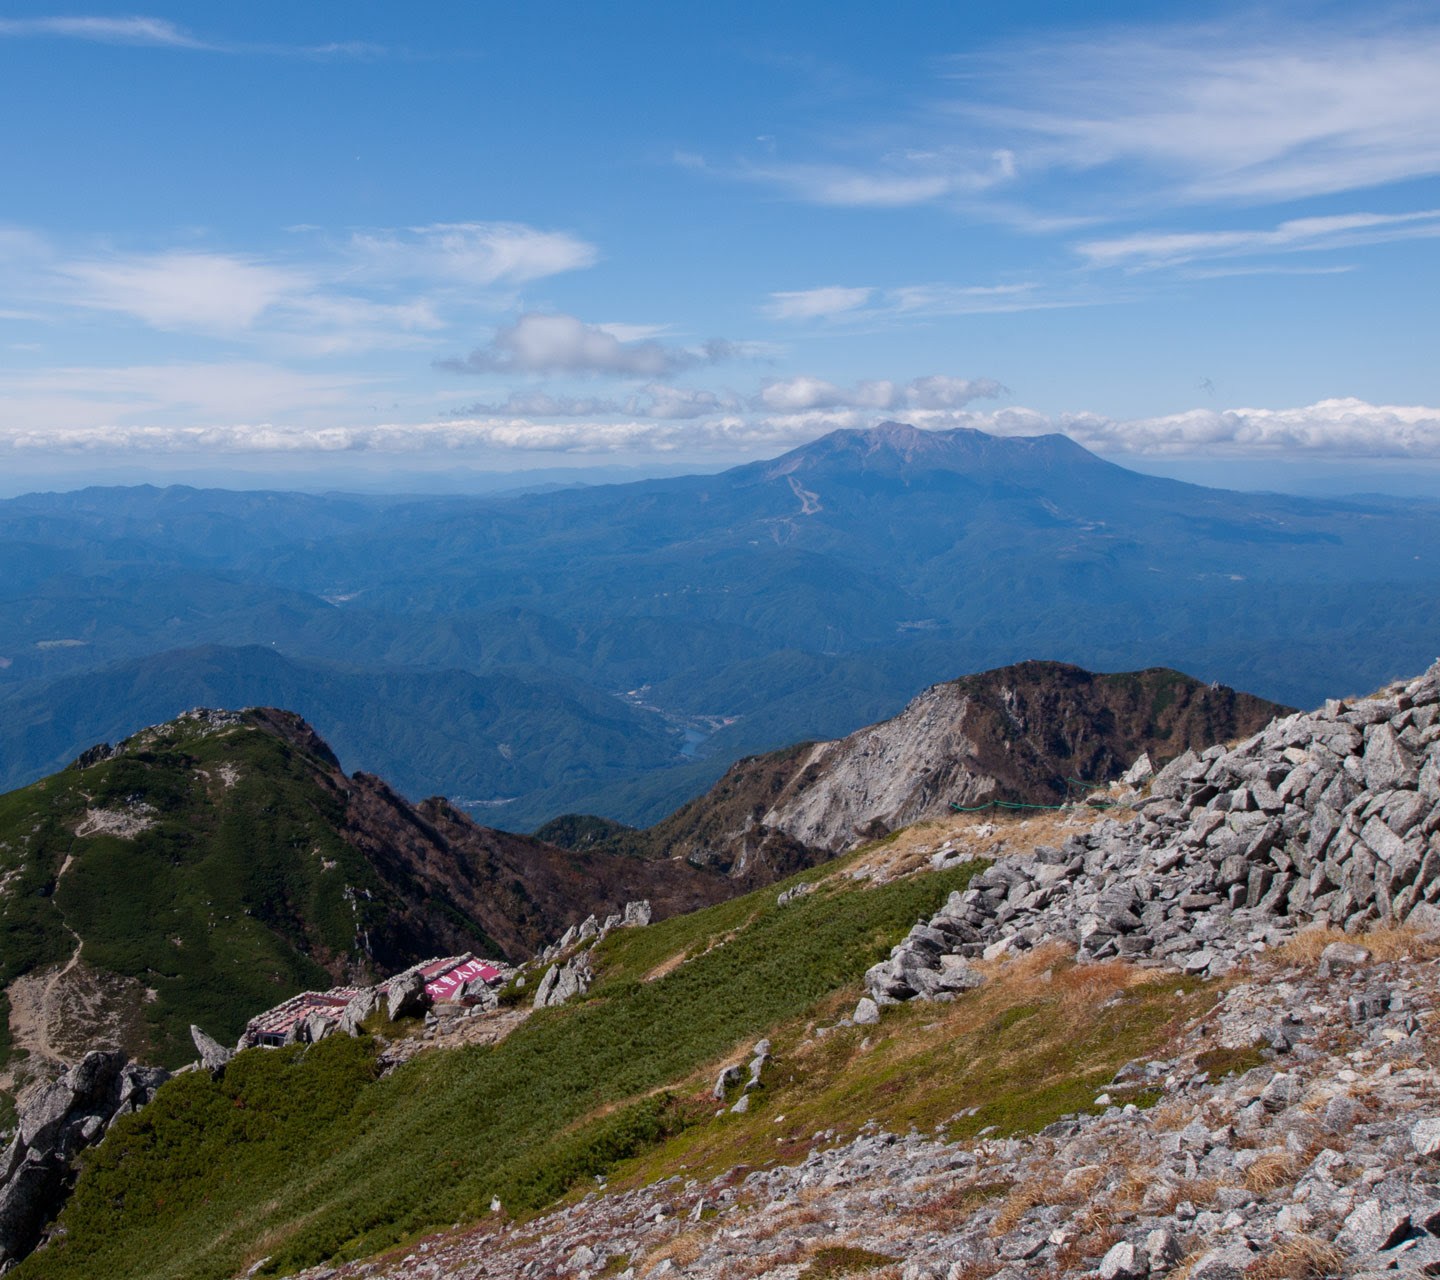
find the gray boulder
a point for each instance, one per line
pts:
(562, 983)
(359, 1008)
(213, 1054)
(1228, 1263)
(867, 1012)
(405, 996)
(726, 1080)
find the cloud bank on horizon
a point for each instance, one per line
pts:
(1335, 429)
(1112, 224)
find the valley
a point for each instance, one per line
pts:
(477, 647)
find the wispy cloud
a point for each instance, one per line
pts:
(372, 289)
(811, 304)
(133, 31)
(1156, 249)
(1189, 114)
(1129, 121)
(162, 33)
(844, 304)
(480, 253)
(556, 343)
(654, 401)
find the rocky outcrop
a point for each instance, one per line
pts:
(562, 982)
(635, 915)
(56, 1121)
(213, 1055)
(1331, 816)
(1020, 734)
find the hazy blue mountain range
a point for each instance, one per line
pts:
(795, 598)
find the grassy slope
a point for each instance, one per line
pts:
(208, 1179)
(224, 906)
(305, 1156)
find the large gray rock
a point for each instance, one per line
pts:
(1124, 1262)
(562, 983)
(360, 1007)
(405, 996)
(43, 1111)
(1425, 1136)
(56, 1120)
(637, 914)
(1228, 1263)
(1387, 763)
(1373, 1226)
(726, 1080)
(213, 1054)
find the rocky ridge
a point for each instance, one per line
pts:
(1330, 816)
(55, 1122)
(1026, 733)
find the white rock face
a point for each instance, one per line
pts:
(908, 768)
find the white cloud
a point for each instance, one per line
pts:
(845, 305)
(556, 343)
(210, 292)
(790, 395)
(939, 392)
(377, 289)
(808, 304)
(654, 401)
(1116, 122)
(1343, 428)
(678, 403)
(1153, 249)
(137, 31)
(1227, 113)
(796, 395)
(542, 404)
(475, 253)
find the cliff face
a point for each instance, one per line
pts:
(1024, 733)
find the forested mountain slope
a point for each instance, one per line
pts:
(797, 598)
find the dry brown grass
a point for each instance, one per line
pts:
(954, 1207)
(1023, 1197)
(1187, 1264)
(1081, 1182)
(1306, 946)
(1390, 942)
(1169, 1116)
(682, 1250)
(1273, 1170)
(1087, 985)
(1299, 1258)
(1089, 1245)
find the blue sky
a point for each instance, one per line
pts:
(315, 238)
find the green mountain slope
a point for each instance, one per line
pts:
(214, 865)
(307, 1156)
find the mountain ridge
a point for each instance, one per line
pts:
(1023, 734)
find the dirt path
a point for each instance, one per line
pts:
(34, 1004)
